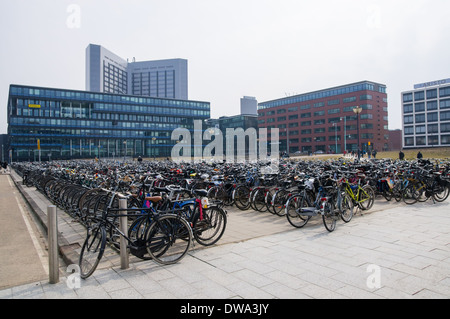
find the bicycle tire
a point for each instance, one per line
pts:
(168, 239)
(208, 231)
(329, 217)
(259, 200)
(410, 194)
(346, 207)
(136, 233)
(92, 251)
(441, 193)
(241, 197)
(278, 202)
(293, 205)
(366, 197)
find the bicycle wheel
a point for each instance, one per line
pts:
(136, 234)
(209, 230)
(346, 207)
(329, 217)
(269, 199)
(441, 192)
(366, 197)
(410, 194)
(241, 196)
(279, 200)
(259, 200)
(293, 211)
(92, 251)
(168, 239)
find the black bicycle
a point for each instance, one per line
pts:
(165, 237)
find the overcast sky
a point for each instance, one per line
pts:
(261, 48)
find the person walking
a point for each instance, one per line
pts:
(419, 155)
(401, 156)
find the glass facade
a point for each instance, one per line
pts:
(80, 124)
(425, 115)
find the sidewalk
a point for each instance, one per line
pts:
(394, 251)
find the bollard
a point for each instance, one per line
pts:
(53, 258)
(123, 224)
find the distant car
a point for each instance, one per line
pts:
(298, 153)
(319, 152)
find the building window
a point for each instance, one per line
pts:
(433, 140)
(445, 139)
(408, 108)
(319, 113)
(419, 96)
(349, 99)
(409, 130)
(431, 94)
(445, 128)
(433, 128)
(407, 97)
(334, 102)
(443, 92)
(319, 104)
(420, 118)
(421, 140)
(334, 111)
(445, 104)
(365, 97)
(420, 107)
(432, 105)
(408, 119)
(433, 117)
(409, 141)
(420, 129)
(445, 116)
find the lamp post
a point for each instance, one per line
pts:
(335, 138)
(345, 132)
(357, 111)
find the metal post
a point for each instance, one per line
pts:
(53, 258)
(123, 220)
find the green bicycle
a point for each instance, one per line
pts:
(362, 196)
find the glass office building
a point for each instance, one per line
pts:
(64, 124)
(426, 115)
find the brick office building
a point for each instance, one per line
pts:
(325, 121)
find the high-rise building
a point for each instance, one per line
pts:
(108, 73)
(325, 121)
(426, 115)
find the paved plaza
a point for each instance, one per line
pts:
(392, 251)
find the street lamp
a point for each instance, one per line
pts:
(345, 132)
(335, 138)
(358, 110)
